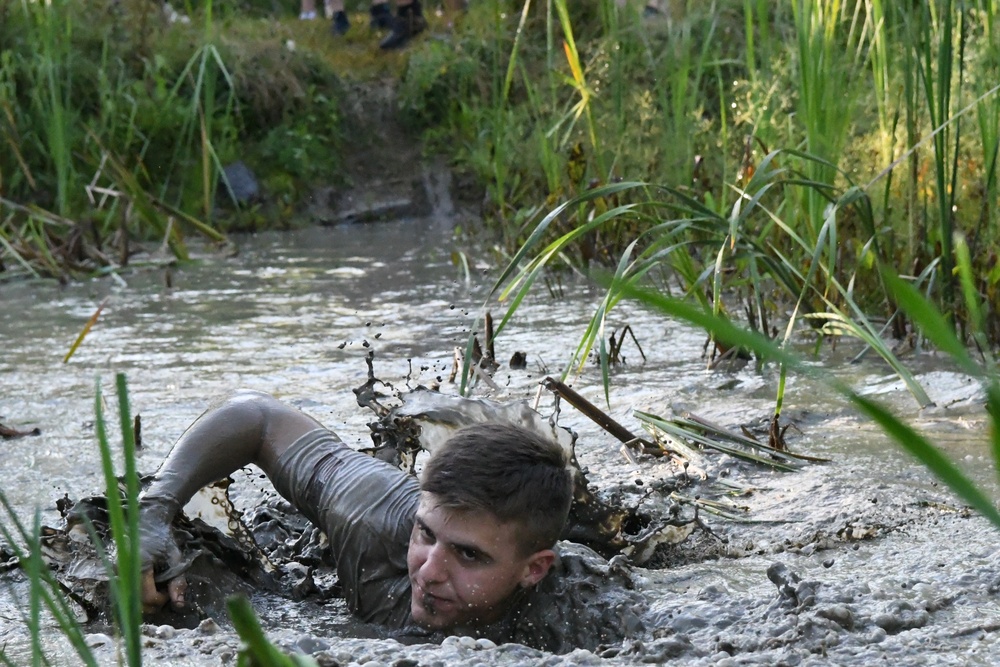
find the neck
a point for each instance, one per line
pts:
(499, 619)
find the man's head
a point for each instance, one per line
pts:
(495, 499)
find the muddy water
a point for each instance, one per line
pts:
(860, 560)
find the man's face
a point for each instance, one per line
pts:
(465, 565)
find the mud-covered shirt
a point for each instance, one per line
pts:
(366, 508)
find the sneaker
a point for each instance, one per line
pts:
(340, 24)
(307, 16)
(381, 17)
(403, 29)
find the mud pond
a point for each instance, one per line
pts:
(863, 560)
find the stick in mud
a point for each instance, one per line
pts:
(600, 417)
(8, 433)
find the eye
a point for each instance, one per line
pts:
(468, 555)
(424, 532)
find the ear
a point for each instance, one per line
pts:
(537, 566)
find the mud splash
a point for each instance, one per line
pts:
(859, 560)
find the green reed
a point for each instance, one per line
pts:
(938, 67)
(257, 651)
(683, 67)
(50, 28)
(123, 568)
(988, 123)
(881, 57)
(932, 323)
(112, 134)
(829, 61)
(125, 575)
(46, 596)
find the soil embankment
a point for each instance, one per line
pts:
(385, 173)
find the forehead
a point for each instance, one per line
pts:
(473, 527)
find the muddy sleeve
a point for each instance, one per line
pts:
(366, 508)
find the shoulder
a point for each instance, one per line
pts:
(584, 602)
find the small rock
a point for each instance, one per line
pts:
(243, 185)
(877, 636)
(484, 644)
(98, 639)
(903, 617)
(164, 632)
(310, 645)
(225, 655)
(839, 614)
(208, 627)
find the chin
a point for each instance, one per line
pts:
(429, 621)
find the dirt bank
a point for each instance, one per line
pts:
(386, 175)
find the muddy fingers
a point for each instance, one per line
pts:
(176, 589)
(152, 599)
(173, 576)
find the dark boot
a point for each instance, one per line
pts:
(381, 17)
(408, 22)
(340, 24)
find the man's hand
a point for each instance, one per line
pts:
(159, 550)
(153, 599)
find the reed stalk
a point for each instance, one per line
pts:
(931, 321)
(828, 64)
(123, 568)
(51, 28)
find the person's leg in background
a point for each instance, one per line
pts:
(381, 17)
(409, 21)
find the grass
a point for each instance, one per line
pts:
(122, 563)
(47, 604)
(860, 99)
(834, 222)
(128, 135)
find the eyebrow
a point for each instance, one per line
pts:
(455, 546)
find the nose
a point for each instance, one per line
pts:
(435, 567)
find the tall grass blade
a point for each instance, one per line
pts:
(258, 651)
(903, 435)
(125, 579)
(49, 589)
(86, 330)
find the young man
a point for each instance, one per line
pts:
(463, 552)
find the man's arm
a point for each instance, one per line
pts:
(248, 427)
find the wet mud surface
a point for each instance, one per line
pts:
(861, 560)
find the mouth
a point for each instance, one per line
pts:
(431, 603)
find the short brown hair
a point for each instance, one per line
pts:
(511, 472)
